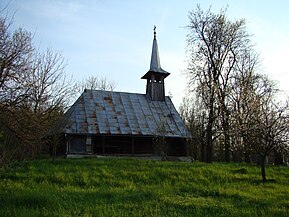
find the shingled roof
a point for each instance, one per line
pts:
(119, 113)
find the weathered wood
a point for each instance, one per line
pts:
(156, 90)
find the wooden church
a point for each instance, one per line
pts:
(119, 123)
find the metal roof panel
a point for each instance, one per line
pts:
(119, 113)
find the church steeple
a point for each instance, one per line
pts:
(156, 75)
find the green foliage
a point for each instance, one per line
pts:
(129, 187)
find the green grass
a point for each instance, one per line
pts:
(128, 187)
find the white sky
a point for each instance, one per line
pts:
(114, 38)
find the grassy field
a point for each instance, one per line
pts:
(129, 187)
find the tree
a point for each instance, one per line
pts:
(33, 93)
(49, 88)
(194, 117)
(245, 87)
(271, 130)
(95, 83)
(15, 56)
(241, 114)
(214, 43)
(261, 123)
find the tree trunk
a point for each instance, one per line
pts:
(53, 153)
(225, 123)
(247, 157)
(209, 152)
(209, 147)
(209, 130)
(55, 141)
(203, 152)
(263, 172)
(227, 145)
(278, 158)
(246, 150)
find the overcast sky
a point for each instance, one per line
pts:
(114, 38)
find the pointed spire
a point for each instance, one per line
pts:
(155, 65)
(155, 59)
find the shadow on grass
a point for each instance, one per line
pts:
(28, 200)
(240, 171)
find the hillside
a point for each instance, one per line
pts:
(129, 187)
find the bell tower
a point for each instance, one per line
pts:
(156, 75)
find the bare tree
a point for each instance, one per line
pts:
(33, 93)
(260, 122)
(245, 87)
(270, 131)
(194, 117)
(95, 83)
(214, 43)
(15, 55)
(49, 87)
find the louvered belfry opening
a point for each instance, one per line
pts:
(156, 87)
